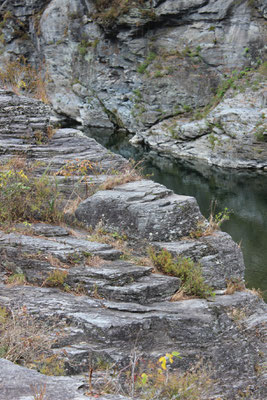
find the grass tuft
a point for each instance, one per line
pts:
(190, 273)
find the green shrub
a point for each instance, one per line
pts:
(17, 279)
(24, 197)
(184, 268)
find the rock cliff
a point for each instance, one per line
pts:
(133, 64)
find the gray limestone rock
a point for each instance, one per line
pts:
(65, 248)
(221, 331)
(21, 383)
(142, 209)
(232, 135)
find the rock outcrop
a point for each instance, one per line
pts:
(233, 135)
(132, 65)
(100, 307)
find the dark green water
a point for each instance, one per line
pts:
(244, 193)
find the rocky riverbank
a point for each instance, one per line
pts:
(97, 301)
(149, 68)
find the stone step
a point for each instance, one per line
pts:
(21, 383)
(97, 328)
(67, 249)
(146, 290)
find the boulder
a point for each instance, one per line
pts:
(142, 209)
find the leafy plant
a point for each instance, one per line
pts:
(154, 380)
(216, 220)
(51, 366)
(25, 197)
(193, 283)
(160, 382)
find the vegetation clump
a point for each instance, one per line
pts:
(109, 10)
(21, 77)
(56, 278)
(24, 197)
(23, 339)
(154, 379)
(130, 173)
(190, 273)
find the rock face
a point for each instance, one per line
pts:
(139, 63)
(26, 131)
(98, 329)
(232, 135)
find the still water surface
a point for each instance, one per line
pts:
(244, 193)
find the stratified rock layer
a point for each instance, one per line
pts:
(220, 258)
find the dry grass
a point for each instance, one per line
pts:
(131, 173)
(21, 77)
(95, 261)
(39, 392)
(235, 285)
(195, 384)
(181, 295)
(71, 205)
(16, 279)
(256, 292)
(55, 262)
(237, 314)
(115, 239)
(23, 339)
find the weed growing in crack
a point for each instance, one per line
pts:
(130, 173)
(152, 379)
(190, 273)
(56, 278)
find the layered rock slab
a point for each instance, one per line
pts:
(142, 209)
(22, 383)
(232, 135)
(38, 257)
(109, 329)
